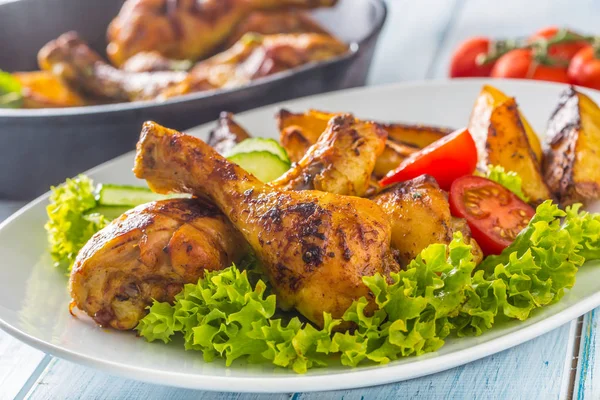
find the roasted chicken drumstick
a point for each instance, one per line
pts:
(419, 213)
(149, 253)
(252, 57)
(315, 247)
(341, 161)
(72, 60)
(184, 29)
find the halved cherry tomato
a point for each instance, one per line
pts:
(494, 214)
(446, 160)
(563, 51)
(464, 59)
(584, 69)
(520, 64)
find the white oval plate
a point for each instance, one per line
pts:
(34, 299)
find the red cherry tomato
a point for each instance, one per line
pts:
(494, 214)
(520, 64)
(563, 51)
(464, 59)
(584, 69)
(446, 160)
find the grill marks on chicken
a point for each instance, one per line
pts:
(341, 161)
(315, 247)
(149, 253)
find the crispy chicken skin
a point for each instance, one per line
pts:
(72, 60)
(420, 215)
(255, 56)
(341, 161)
(149, 253)
(184, 29)
(315, 247)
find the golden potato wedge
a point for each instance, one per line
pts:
(415, 135)
(572, 149)
(490, 98)
(293, 139)
(393, 154)
(299, 131)
(296, 141)
(501, 140)
(42, 89)
(227, 134)
(313, 123)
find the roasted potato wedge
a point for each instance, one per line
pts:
(393, 154)
(415, 135)
(42, 89)
(227, 134)
(502, 140)
(296, 141)
(299, 131)
(313, 122)
(490, 98)
(572, 148)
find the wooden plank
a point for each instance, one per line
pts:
(65, 380)
(17, 360)
(586, 384)
(527, 371)
(406, 51)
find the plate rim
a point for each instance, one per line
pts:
(348, 379)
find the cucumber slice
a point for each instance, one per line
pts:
(127, 196)
(110, 212)
(259, 144)
(265, 165)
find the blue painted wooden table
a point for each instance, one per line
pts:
(415, 45)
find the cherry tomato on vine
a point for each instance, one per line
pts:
(464, 58)
(521, 64)
(495, 214)
(563, 51)
(446, 160)
(584, 69)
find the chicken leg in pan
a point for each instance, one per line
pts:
(184, 29)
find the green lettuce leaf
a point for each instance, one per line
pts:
(10, 91)
(225, 316)
(440, 293)
(509, 179)
(71, 222)
(532, 272)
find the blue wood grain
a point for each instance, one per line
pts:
(416, 44)
(532, 370)
(587, 383)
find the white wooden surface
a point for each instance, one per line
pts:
(416, 44)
